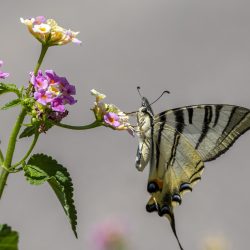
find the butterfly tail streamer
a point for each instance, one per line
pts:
(172, 223)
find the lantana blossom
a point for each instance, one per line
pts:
(52, 91)
(47, 31)
(109, 235)
(3, 75)
(109, 114)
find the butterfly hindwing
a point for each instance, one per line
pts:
(174, 170)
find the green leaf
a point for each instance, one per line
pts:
(11, 104)
(9, 87)
(28, 131)
(41, 168)
(8, 238)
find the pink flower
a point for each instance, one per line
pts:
(57, 104)
(3, 75)
(112, 119)
(39, 81)
(52, 90)
(43, 97)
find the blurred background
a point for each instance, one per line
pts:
(199, 50)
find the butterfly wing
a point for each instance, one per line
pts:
(183, 139)
(174, 169)
(211, 129)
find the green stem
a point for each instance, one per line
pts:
(92, 125)
(10, 150)
(39, 62)
(41, 57)
(28, 152)
(1, 157)
(12, 140)
(3, 179)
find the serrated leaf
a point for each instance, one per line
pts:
(8, 238)
(41, 168)
(35, 175)
(9, 87)
(11, 104)
(28, 131)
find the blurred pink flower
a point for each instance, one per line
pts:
(109, 235)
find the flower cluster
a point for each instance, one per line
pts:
(3, 75)
(52, 91)
(48, 32)
(109, 114)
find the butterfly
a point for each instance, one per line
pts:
(177, 142)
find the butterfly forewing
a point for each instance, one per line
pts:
(211, 129)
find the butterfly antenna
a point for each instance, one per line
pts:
(172, 223)
(164, 92)
(138, 89)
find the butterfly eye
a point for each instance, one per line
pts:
(164, 210)
(176, 198)
(185, 187)
(151, 207)
(152, 187)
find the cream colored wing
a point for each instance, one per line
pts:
(174, 169)
(211, 129)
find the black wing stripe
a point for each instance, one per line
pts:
(152, 139)
(235, 120)
(195, 180)
(217, 114)
(179, 118)
(174, 148)
(190, 114)
(196, 172)
(228, 126)
(158, 145)
(226, 132)
(207, 119)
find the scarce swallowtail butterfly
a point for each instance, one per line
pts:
(177, 142)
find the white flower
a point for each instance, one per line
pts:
(99, 96)
(47, 31)
(42, 28)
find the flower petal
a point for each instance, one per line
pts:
(99, 96)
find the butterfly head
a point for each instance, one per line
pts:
(146, 107)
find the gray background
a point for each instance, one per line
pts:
(197, 49)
